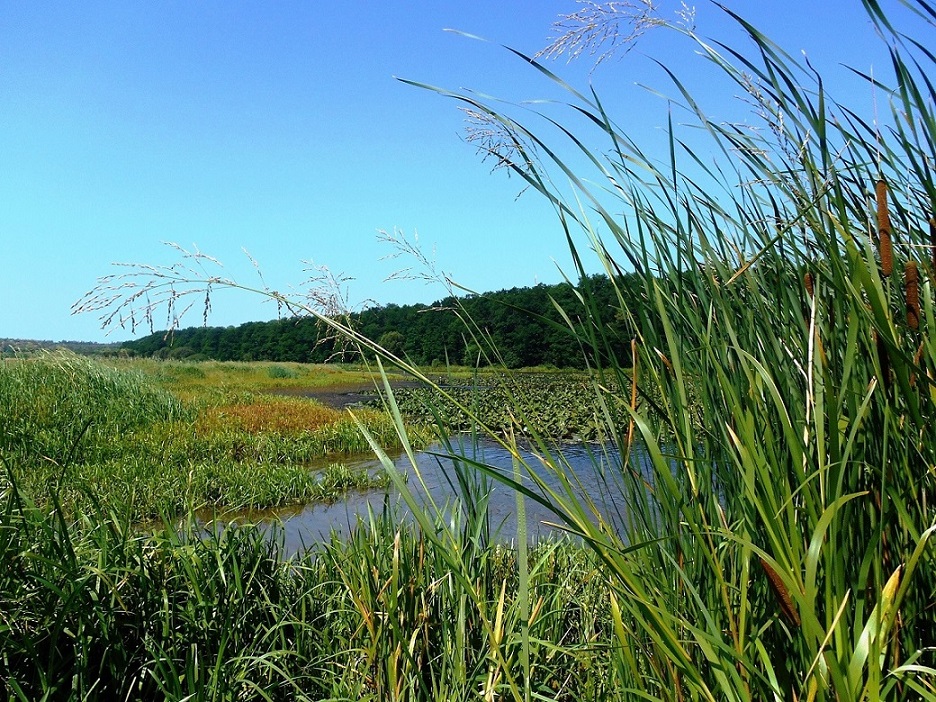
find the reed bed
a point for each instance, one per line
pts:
(95, 609)
(88, 432)
(781, 547)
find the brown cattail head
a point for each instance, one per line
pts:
(781, 593)
(885, 248)
(912, 291)
(808, 282)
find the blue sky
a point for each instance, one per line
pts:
(279, 128)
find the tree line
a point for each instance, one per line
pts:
(524, 323)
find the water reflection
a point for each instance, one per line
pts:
(593, 471)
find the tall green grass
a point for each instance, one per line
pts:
(780, 547)
(97, 609)
(60, 406)
(84, 432)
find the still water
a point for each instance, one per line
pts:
(593, 471)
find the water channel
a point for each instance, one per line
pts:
(594, 471)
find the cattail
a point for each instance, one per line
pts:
(782, 593)
(885, 248)
(634, 379)
(808, 282)
(912, 291)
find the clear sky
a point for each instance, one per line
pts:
(279, 128)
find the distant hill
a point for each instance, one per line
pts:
(524, 324)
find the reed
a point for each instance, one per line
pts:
(96, 609)
(932, 242)
(811, 457)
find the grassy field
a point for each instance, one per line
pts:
(98, 610)
(96, 605)
(158, 438)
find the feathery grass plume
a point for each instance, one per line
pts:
(912, 290)
(885, 247)
(603, 27)
(782, 593)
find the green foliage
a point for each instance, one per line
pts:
(552, 405)
(62, 407)
(393, 342)
(83, 432)
(780, 547)
(524, 322)
(777, 436)
(98, 610)
(281, 372)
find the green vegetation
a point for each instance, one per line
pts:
(17, 348)
(97, 610)
(555, 406)
(778, 443)
(156, 439)
(781, 547)
(194, 380)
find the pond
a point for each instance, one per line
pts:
(594, 471)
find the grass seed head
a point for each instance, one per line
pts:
(808, 282)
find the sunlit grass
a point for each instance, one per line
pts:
(192, 380)
(101, 610)
(124, 436)
(278, 415)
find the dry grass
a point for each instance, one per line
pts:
(281, 415)
(190, 379)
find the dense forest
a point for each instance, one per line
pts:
(524, 323)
